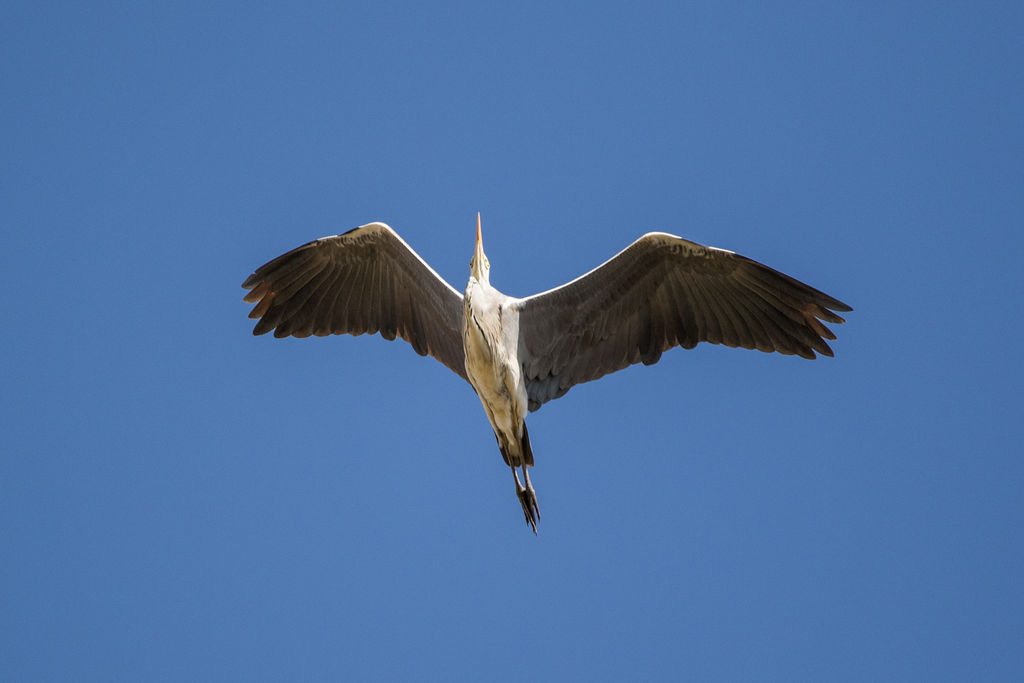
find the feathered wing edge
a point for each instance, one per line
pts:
(366, 280)
(660, 292)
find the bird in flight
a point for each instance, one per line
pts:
(659, 292)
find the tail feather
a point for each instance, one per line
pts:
(526, 448)
(524, 454)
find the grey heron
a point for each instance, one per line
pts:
(659, 292)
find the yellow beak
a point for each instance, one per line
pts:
(479, 242)
(477, 266)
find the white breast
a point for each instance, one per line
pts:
(491, 362)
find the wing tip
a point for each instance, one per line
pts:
(839, 306)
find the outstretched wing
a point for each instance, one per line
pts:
(365, 281)
(663, 291)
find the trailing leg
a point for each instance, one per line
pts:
(527, 498)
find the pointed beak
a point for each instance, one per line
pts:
(477, 264)
(479, 250)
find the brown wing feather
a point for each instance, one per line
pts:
(663, 291)
(367, 280)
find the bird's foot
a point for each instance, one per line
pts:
(528, 499)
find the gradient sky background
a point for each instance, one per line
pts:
(180, 500)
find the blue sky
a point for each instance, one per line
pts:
(180, 500)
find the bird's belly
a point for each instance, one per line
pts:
(496, 383)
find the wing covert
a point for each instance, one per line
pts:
(660, 292)
(366, 280)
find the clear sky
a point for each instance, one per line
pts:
(180, 500)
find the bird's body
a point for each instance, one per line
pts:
(489, 346)
(490, 339)
(517, 354)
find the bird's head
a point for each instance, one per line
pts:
(480, 267)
